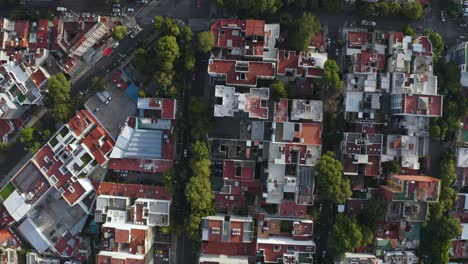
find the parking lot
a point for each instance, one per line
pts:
(113, 115)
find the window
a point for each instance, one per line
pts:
(291, 249)
(276, 248)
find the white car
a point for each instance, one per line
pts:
(368, 23)
(106, 94)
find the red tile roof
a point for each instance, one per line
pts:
(291, 209)
(398, 37)
(99, 143)
(122, 236)
(254, 27)
(356, 39)
(22, 32)
(312, 133)
(299, 65)
(281, 110)
(374, 168)
(242, 73)
(227, 33)
(416, 178)
(42, 34)
(229, 172)
(367, 61)
(6, 128)
(168, 111)
(133, 190)
(318, 40)
(140, 165)
(38, 78)
(417, 104)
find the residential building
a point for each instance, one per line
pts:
(360, 258)
(32, 258)
(226, 239)
(130, 212)
(79, 37)
(459, 245)
(460, 57)
(18, 91)
(285, 240)
(408, 197)
(400, 257)
(230, 102)
(51, 194)
(462, 167)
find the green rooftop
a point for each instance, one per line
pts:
(7, 190)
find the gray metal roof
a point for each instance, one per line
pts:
(145, 144)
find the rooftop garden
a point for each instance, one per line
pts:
(86, 158)
(7, 190)
(64, 131)
(53, 142)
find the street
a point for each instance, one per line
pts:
(198, 85)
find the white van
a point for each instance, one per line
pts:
(102, 98)
(443, 15)
(106, 95)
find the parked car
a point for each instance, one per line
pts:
(185, 153)
(102, 98)
(106, 94)
(116, 10)
(130, 9)
(368, 23)
(337, 52)
(443, 15)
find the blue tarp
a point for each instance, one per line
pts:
(132, 92)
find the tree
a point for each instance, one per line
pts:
(200, 121)
(367, 236)
(434, 130)
(331, 184)
(383, 8)
(205, 41)
(4, 147)
(199, 150)
(168, 181)
(167, 49)
(278, 90)
(61, 112)
(374, 211)
(58, 97)
(119, 33)
(189, 64)
(301, 31)
(98, 84)
(437, 41)
(59, 88)
(345, 236)
(448, 197)
(166, 26)
(255, 8)
(331, 78)
(163, 79)
(394, 8)
(409, 31)
(391, 167)
(333, 5)
(413, 10)
(186, 34)
(448, 171)
(26, 135)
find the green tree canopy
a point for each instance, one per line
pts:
(119, 33)
(58, 97)
(333, 5)
(278, 90)
(205, 41)
(331, 78)
(448, 171)
(301, 31)
(200, 150)
(98, 84)
(437, 41)
(26, 135)
(413, 10)
(345, 236)
(434, 130)
(251, 8)
(391, 167)
(200, 118)
(374, 211)
(167, 49)
(331, 184)
(59, 88)
(166, 26)
(408, 30)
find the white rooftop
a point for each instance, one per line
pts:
(16, 205)
(210, 258)
(462, 158)
(285, 241)
(307, 110)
